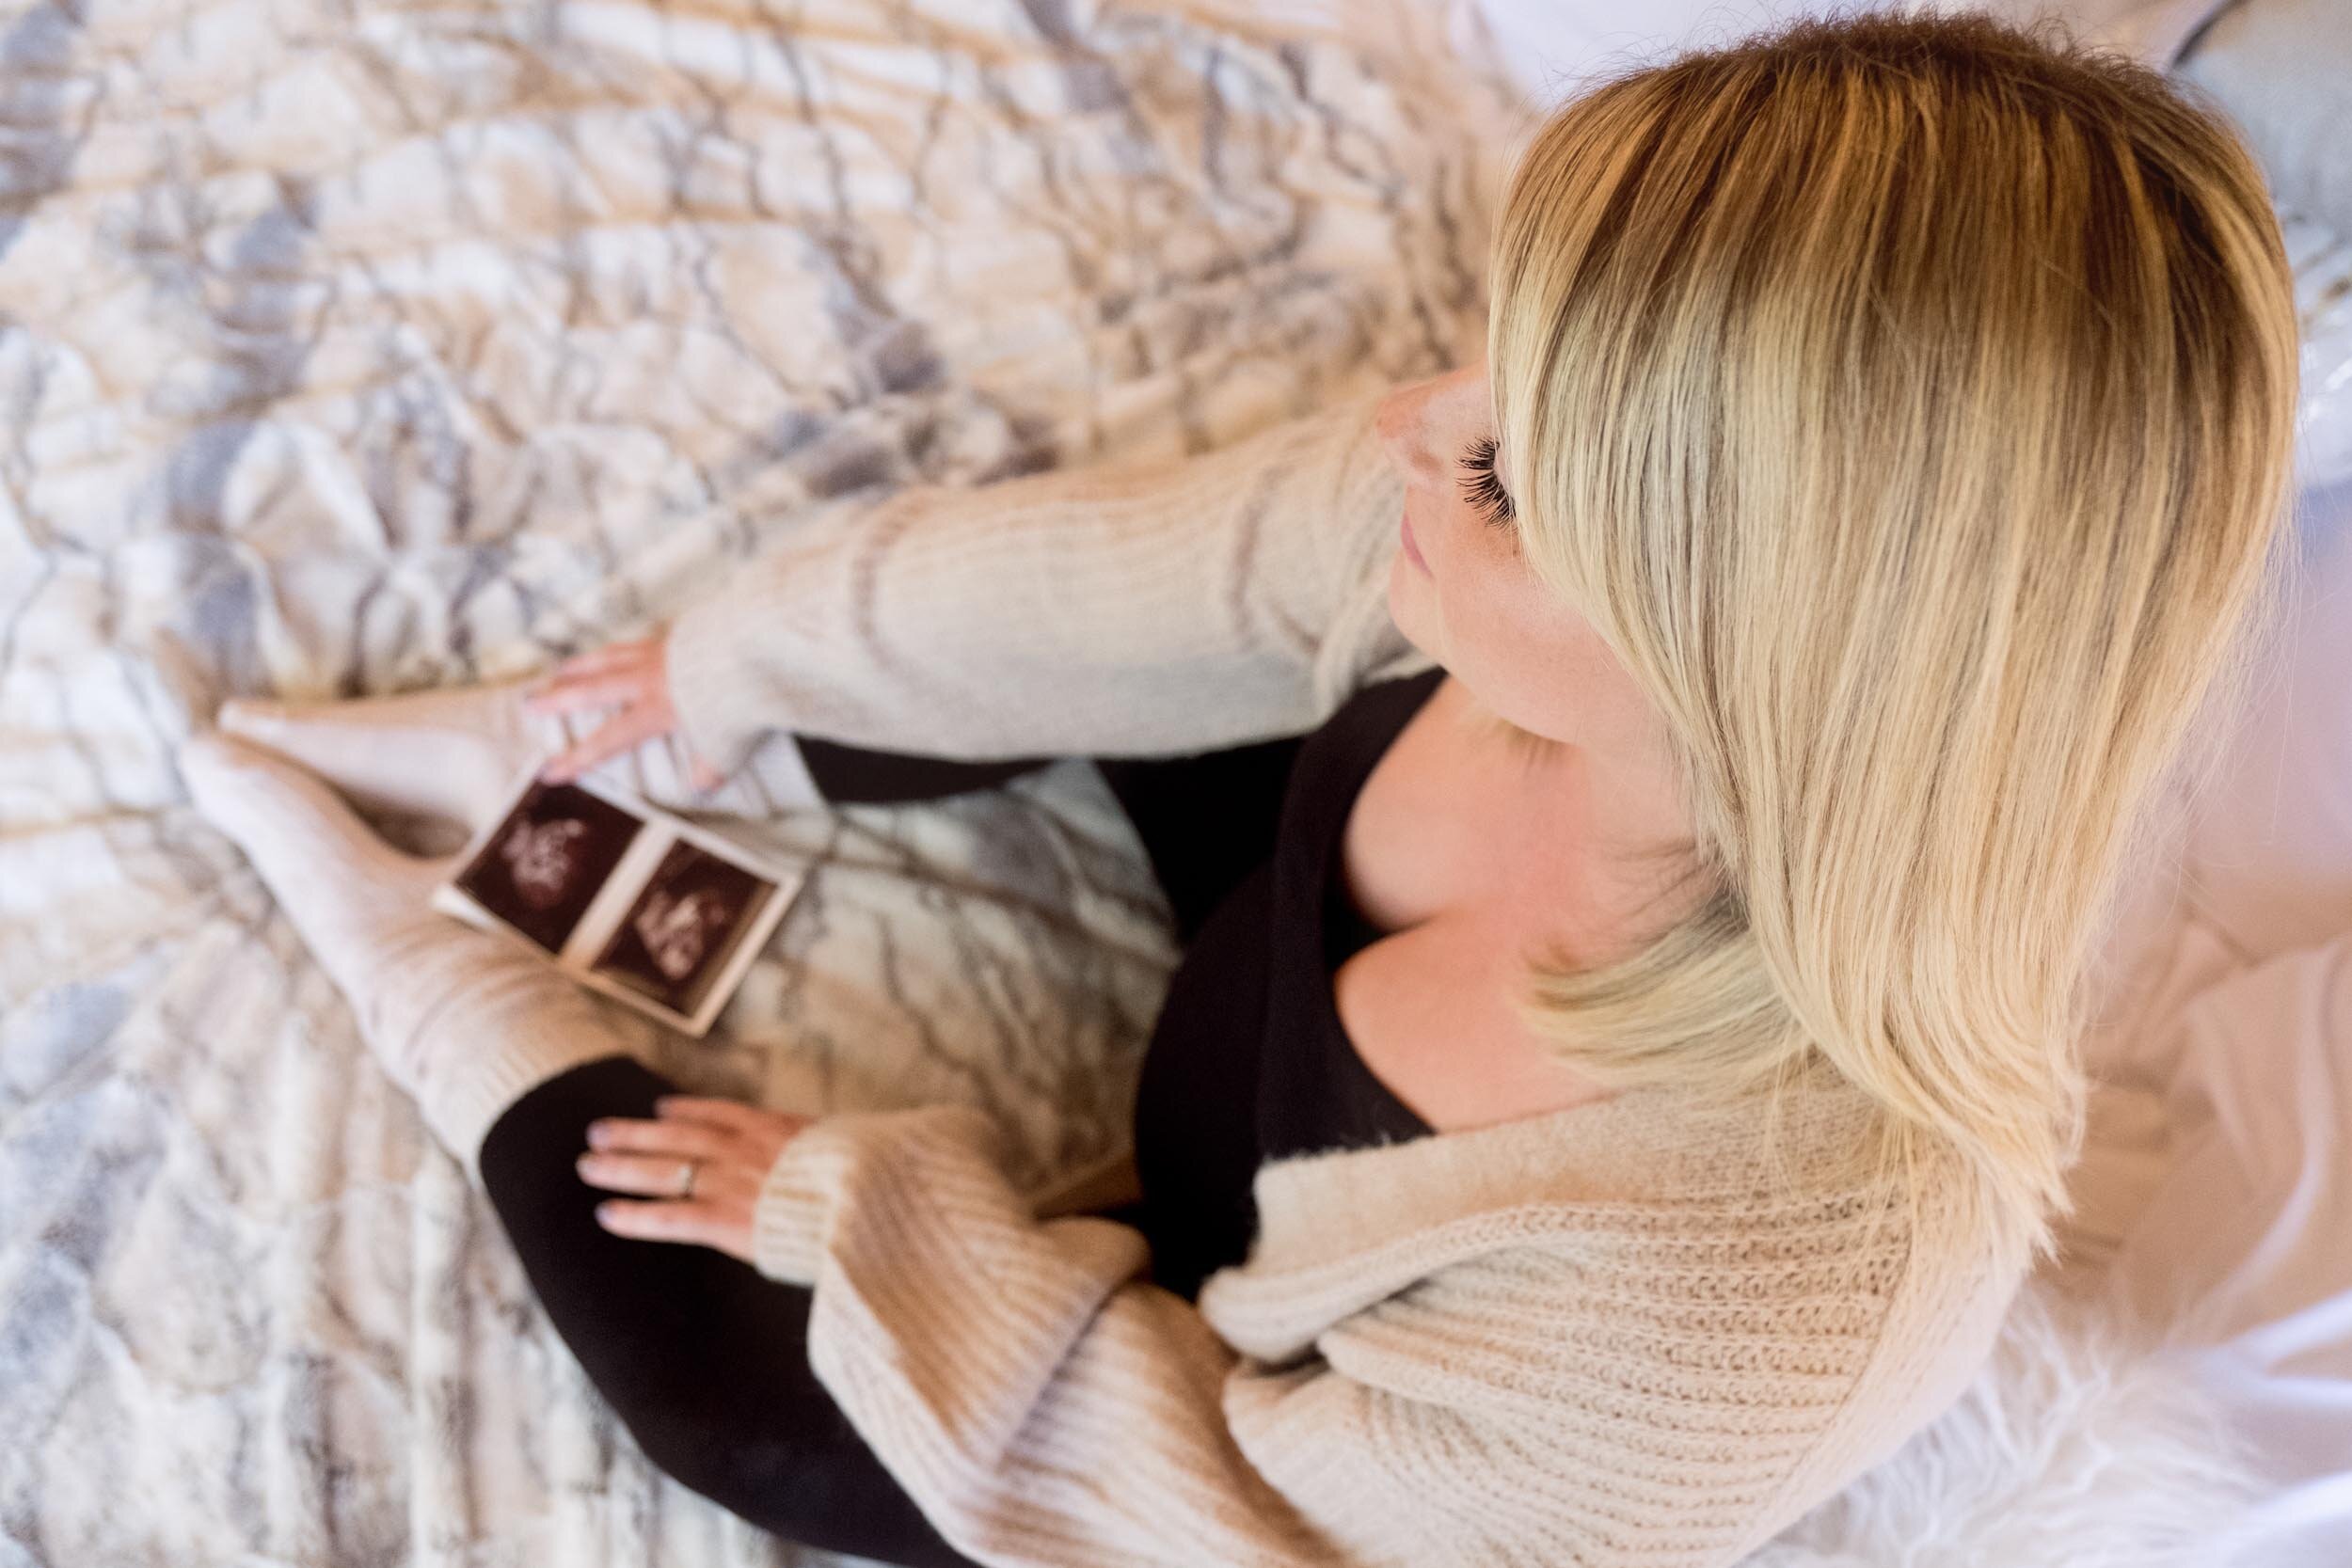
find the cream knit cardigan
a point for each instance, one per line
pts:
(1639, 1331)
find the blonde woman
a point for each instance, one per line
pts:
(1638, 809)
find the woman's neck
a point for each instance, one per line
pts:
(1616, 811)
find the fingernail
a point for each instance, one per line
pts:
(598, 1132)
(605, 1212)
(583, 1164)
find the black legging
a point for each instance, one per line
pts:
(704, 1358)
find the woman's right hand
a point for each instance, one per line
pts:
(632, 677)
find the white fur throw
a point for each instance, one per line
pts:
(2075, 1448)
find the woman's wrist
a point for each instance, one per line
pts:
(712, 694)
(788, 1217)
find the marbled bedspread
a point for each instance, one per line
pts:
(355, 348)
(358, 348)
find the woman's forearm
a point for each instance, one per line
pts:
(1138, 607)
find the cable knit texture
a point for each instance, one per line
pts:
(1620, 1334)
(1631, 1333)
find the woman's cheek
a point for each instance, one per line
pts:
(1509, 650)
(1413, 606)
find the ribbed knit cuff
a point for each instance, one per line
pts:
(711, 688)
(462, 1102)
(834, 1160)
(788, 1217)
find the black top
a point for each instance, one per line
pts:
(1249, 1062)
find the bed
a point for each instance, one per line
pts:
(352, 350)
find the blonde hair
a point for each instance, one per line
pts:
(1907, 402)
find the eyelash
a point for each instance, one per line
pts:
(1485, 490)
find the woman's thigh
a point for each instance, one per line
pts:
(853, 775)
(705, 1360)
(1206, 819)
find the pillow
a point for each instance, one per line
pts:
(2152, 30)
(2283, 70)
(1549, 47)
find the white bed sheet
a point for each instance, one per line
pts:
(350, 349)
(2219, 1175)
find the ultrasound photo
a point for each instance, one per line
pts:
(540, 870)
(677, 939)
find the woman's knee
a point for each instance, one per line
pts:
(799, 1471)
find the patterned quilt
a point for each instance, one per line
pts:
(350, 349)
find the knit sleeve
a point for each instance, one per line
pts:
(1130, 608)
(1611, 1385)
(1039, 1398)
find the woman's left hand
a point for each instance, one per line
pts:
(701, 1164)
